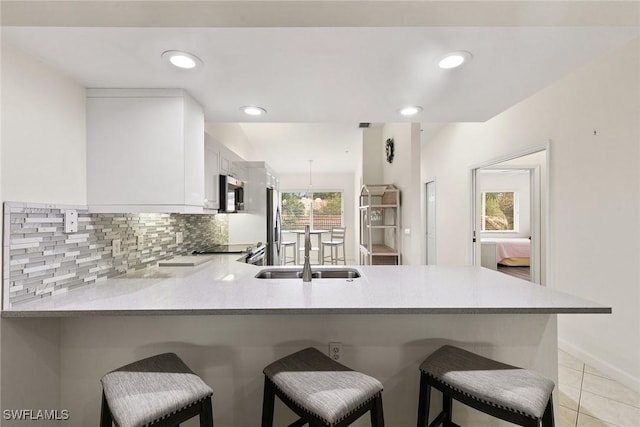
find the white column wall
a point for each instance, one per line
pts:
(591, 118)
(43, 155)
(404, 173)
(372, 155)
(43, 133)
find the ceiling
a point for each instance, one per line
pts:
(333, 147)
(326, 79)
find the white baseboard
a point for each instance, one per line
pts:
(606, 368)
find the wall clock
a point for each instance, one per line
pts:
(389, 149)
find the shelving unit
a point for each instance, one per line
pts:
(380, 225)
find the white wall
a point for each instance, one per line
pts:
(1, 228)
(43, 133)
(372, 155)
(358, 181)
(329, 182)
(43, 157)
(594, 197)
(30, 367)
(233, 137)
(404, 173)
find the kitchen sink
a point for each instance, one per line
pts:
(316, 273)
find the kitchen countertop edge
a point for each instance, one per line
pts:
(303, 311)
(408, 290)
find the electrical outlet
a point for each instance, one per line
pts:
(70, 221)
(335, 350)
(116, 248)
(140, 242)
(179, 237)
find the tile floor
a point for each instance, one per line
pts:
(589, 399)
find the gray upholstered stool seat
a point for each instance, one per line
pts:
(158, 390)
(321, 391)
(508, 392)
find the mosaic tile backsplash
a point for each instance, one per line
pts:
(41, 260)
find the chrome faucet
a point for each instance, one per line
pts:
(306, 270)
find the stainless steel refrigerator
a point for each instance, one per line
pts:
(274, 233)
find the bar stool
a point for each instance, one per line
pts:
(283, 249)
(507, 392)
(337, 240)
(321, 391)
(159, 391)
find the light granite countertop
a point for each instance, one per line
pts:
(225, 286)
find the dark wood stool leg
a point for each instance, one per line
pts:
(424, 400)
(547, 418)
(268, 403)
(105, 413)
(446, 408)
(206, 413)
(377, 416)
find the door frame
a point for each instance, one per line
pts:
(426, 222)
(536, 220)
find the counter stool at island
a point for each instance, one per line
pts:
(507, 392)
(283, 250)
(337, 241)
(321, 391)
(160, 391)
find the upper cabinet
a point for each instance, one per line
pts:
(211, 175)
(145, 151)
(219, 160)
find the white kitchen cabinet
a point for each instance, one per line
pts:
(211, 175)
(225, 163)
(145, 151)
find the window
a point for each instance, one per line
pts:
(322, 210)
(500, 211)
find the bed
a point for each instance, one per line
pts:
(509, 251)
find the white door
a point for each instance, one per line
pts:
(431, 222)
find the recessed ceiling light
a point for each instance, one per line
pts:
(253, 111)
(410, 111)
(180, 59)
(454, 59)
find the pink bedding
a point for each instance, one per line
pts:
(511, 248)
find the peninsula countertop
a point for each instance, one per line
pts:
(225, 286)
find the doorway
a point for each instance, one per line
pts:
(509, 221)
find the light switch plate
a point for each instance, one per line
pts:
(179, 237)
(140, 242)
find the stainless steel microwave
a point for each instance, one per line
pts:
(231, 194)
